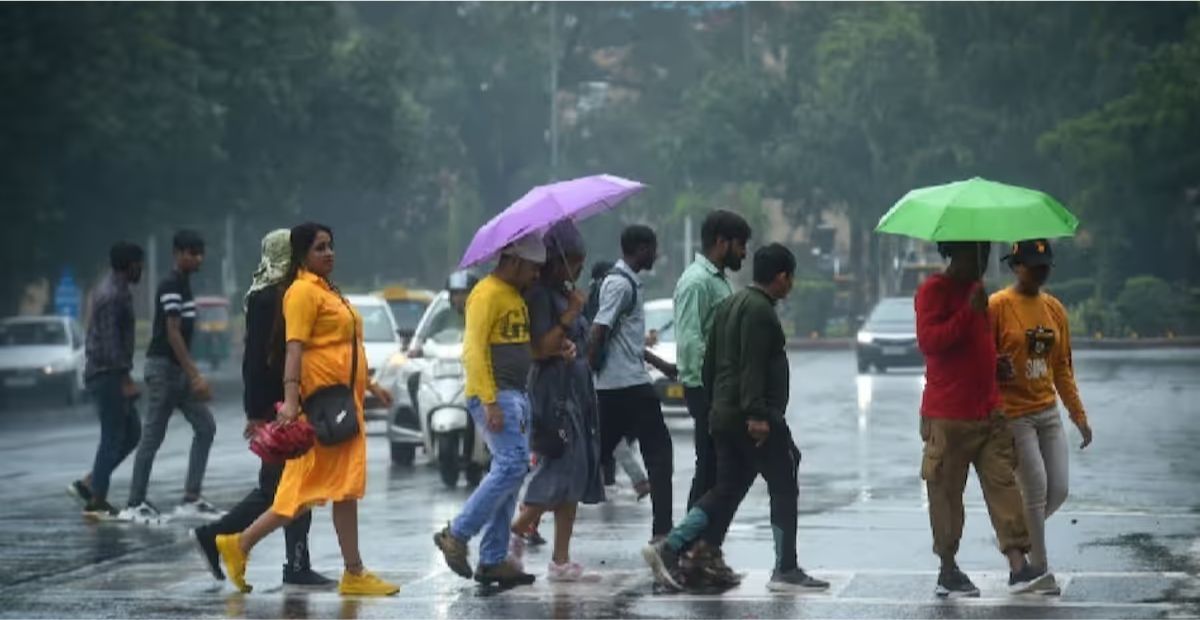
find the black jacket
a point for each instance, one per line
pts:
(262, 361)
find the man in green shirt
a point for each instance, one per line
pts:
(746, 368)
(703, 285)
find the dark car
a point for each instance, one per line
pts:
(888, 338)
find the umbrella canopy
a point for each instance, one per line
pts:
(545, 206)
(978, 210)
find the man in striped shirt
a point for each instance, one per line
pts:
(173, 382)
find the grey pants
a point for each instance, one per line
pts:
(1042, 472)
(168, 389)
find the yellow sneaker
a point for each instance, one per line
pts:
(365, 584)
(229, 546)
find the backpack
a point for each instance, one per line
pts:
(602, 351)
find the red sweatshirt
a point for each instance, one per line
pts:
(960, 353)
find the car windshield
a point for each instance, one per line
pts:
(894, 311)
(445, 324)
(408, 312)
(32, 333)
(661, 320)
(377, 327)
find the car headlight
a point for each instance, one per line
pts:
(57, 367)
(865, 337)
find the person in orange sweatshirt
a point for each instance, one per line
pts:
(1033, 342)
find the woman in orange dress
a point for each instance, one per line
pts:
(320, 330)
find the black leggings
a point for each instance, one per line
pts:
(257, 502)
(636, 412)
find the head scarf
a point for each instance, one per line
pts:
(276, 257)
(564, 239)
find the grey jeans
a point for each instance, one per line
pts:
(168, 389)
(1042, 471)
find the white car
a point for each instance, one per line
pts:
(660, 322)
(382, 340)
(42, 353)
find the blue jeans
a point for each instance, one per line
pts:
(120, 429)
(494, 503)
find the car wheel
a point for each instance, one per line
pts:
(863, 367)
(475, 474)
(403, 454)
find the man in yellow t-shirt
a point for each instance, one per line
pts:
(497, 357)
(1033, 340)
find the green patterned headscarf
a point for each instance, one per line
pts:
(276, 257)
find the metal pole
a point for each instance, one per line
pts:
(553, 91)
(687, 242)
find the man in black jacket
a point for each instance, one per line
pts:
(746, 367)
(262, 376)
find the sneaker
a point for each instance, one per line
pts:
(198, 508)
(706, 566)
(229, 547)
(516, 552)
(504, 575)
(305, 578)
(795, 580)
(365, 584)
(642, 489)
(144, 513)
(571, 572)
(206, 544)
(533, 538)
(1048, 586)
(1028, 579)
(80, 492)
(953, 583)
(664, 563)
(454, 551)
(100, 510)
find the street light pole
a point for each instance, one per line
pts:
(553, 91)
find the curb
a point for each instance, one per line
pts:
(1078, 344)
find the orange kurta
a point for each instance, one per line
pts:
(317, 317)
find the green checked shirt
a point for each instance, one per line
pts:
(701, 287)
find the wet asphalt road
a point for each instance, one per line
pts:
(1126, 545)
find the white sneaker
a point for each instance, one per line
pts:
(144, 513)
(571, 572)
(198, 508)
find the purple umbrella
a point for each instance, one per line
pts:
(543, 207)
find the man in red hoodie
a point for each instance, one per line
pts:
(961, 420)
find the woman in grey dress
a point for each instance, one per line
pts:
(562, 395)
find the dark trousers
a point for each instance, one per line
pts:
(739, 462)
(706, 458)
(636, 412)
(120, 429)
(258, 501)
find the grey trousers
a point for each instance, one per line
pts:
(167, 389)
(1042, 472)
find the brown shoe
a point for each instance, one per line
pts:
(454, 551)
(706, 565)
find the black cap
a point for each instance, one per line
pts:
(1031, 252)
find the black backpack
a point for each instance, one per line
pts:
(602, 352)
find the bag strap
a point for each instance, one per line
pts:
(353, 340)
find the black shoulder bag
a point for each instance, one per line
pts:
(332, 410)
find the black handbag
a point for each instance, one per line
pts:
(332, 410)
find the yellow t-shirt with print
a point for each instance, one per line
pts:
(1034, 333)
(496, 353)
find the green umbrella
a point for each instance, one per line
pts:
(978, 210)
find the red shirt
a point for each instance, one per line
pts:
(960, 353)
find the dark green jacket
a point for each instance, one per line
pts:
(745, 364)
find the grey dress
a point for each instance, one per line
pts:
(575, 476)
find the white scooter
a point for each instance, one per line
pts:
(435, 384)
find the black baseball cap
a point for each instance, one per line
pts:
(1031, 252)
